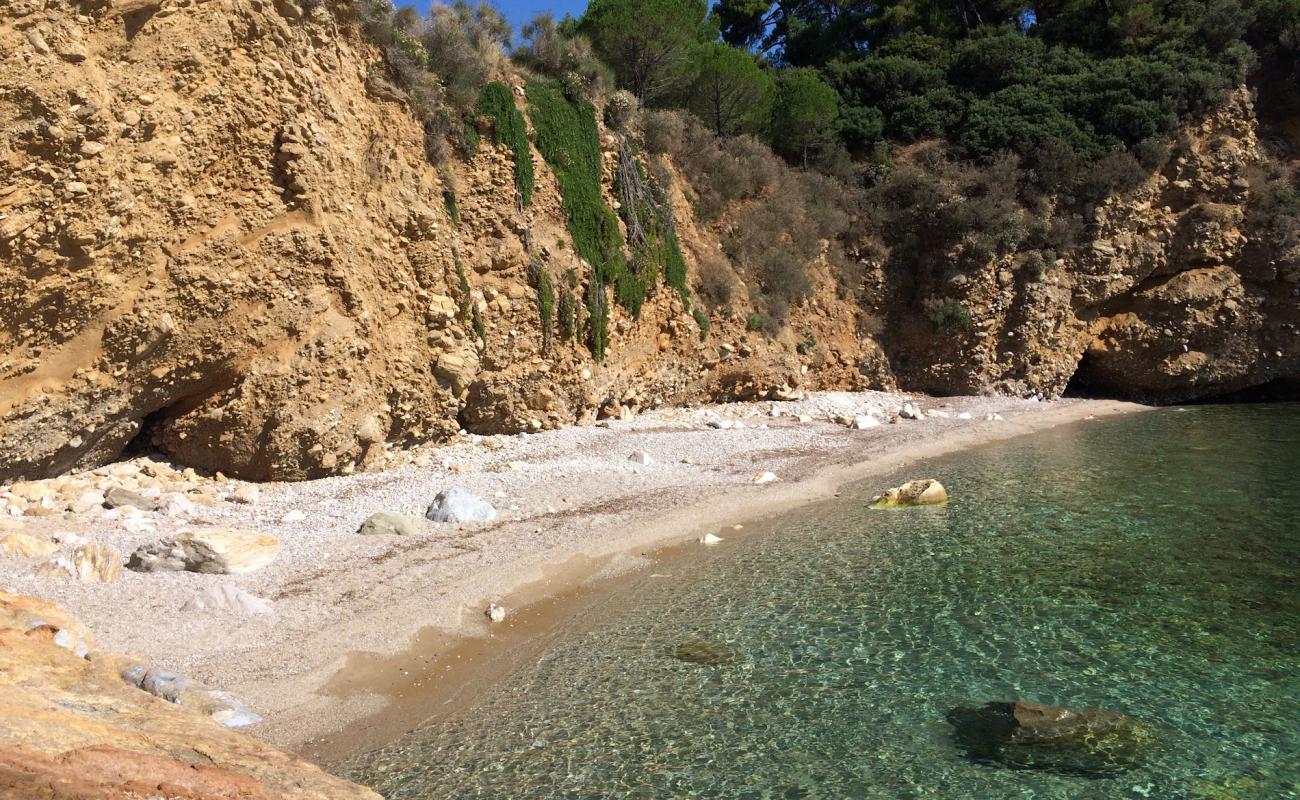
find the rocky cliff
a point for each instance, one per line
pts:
(220, 237)
(74, 729)
(1181, 289)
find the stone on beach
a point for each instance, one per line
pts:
(97, 563)
(925, 492)
(216, 551)
(911, 411)
(495, 612)
(245, 494)
(710, 538)
(227, 598)
(641, 457)
(457, 505)
(384, 523)
(222, 707)
(764, 477)
(59, 567)
(862, 422)
(24, 545)
(117, 497)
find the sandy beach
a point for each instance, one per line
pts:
(370, 635)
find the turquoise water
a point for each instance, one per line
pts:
(1146, 564)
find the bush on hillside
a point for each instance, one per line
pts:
(557, 50)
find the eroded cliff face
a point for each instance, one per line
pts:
(1178, 291)
(74, 729)
(220, 237)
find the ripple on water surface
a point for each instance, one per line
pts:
(1146, 564)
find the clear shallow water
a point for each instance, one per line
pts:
(1148, 564)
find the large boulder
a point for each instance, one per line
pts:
(458, 504)
(1092, 742)
(926, 492)
(215, 551)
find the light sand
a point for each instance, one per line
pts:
(372, 635)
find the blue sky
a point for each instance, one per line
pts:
(520, 11)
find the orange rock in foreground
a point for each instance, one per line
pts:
(73, 729)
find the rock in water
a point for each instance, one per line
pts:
(97, 562)
(24, 545)
(228, 599)
(384, 523)
(696, 650)
(926, 492)
(458, 504)
(1092, 742)
(216, 551)
(495, 612)
(710, 538)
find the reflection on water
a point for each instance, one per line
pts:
(1147, 564)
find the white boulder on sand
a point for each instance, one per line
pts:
(862, 422)
(641, 457)
(458, 504)
(227, 598)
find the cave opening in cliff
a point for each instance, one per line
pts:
(1080, 384)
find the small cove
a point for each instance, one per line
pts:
(1146, 564)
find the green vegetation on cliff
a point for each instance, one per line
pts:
(498, 104)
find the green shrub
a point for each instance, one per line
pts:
(947, 315)
(498, 104)
(557, 50)
(597, 320)
(758, 322)
(567, 316)
(701, 320)
(651, 233)
(545, 303)
(569, 140)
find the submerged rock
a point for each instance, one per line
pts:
(925, 492)
(696, 650)
(458, 504)
(1092, 742)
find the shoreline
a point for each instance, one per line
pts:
(369, 642)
